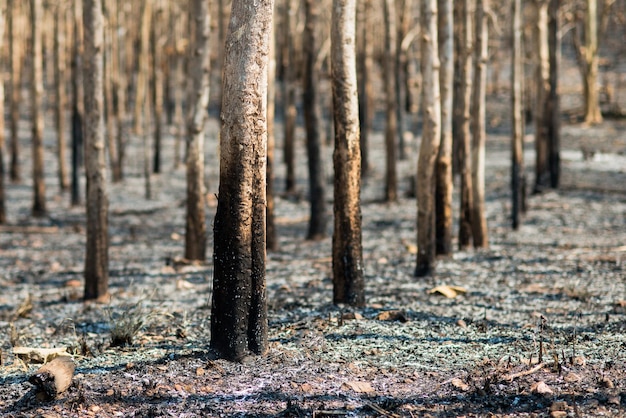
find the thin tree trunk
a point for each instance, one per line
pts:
(403, 17)
(553, 105)
(364, 67)
(271, 234)
(431, 138)
(77, 102)
(465, 137)
(143, 69)
(3, 215)
(121, 84)
(111, 27)
(391, 102)
(96, 256)
(517, 117)
(289, 98)
(239, 310)
(199, 77)
(479, 219)
(590, 67)
(542, 74)
(348, 280)
(36, 86)
(157, 41)
(443, 198)
(61, 99)
(15, 24)
(312, 117)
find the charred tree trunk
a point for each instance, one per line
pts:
(553, 105)
(289, 98)
(318, 217)
(3, 215)
(271, 234)
(542, 119)
(15, 25)
(431, 138)
(479, 219)
(443, 197)
(61, 99)
(36, 91)
(157, 43)
(518, 182)
(199, 73)
(77, 103)
(391, 102)
(96, 256)
(364, 67)
(348, 280)
(239, 309)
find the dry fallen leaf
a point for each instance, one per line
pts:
(39, 355)
(459, 384)
(572, 377)
(448, 291)
(541, 388)
(392, 316)
(359, 387)
(351, 315)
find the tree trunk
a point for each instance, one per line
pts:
(271, 234)
(157, 42)
(15, 24)
(464, 134)
(542, 119)
(517, 117)
(199, 77)
(77, 102)
(36, 91)
(443, 197)
(590, 65)
(59, 87)
(96, 257)
(479, 219)
(553, 105)
(239, 309)
(312, 117)
(110, 31)
(364, 67)
(391, 123)
(348, 280)
(289, 98)
(3, 216)
(143, 69)
(121, 84)
(431, 137)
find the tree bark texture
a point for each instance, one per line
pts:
(443, 197)
(15, 27)
(542, 74)
(271, 238)
(311, 101)
(289, 97)
(239, 310)
(36, 89)
(431, 138)
(3, 216)
(364, 70)
(391, 116)
(199, 77)
(590, 65)
(157, 45)
(348, 281)
(77, 102)
(97, 258)
(517, 117)
(479, 218)
(464, 132)
(61, 99)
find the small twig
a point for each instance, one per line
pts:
(512, 376)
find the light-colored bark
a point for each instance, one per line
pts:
(431, 138)
(391, 103)
(96, 255)
(542, 85)
(271, 234)
(590, 65)
(239, 311)
(517, 117)
(3, 217)
(443, 198)
(108, 54)
(199, 72)
(59, 88)
(479, 218)
(143, 69)
(36, 93)
(348, 280)
(121, 83)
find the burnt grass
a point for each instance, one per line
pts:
(538, 330)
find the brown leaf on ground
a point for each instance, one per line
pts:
(541, 388)
(392, 316)
(448, 291)
(351, 316)
(359, 387)
(54, 377)
(459, 384)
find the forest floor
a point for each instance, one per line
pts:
(537, 328)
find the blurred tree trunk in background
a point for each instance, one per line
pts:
(364, 81)
(518, 180)
(348, 280)
(16, 41)
(443, 197)
(239, 323)
(588, 63)
(391, 102)
(60, 80)
(110, 16)
(121, 84)
(289, 95)
(198, 76)
(271, 234)
(97, 251)
(3, 216)
(542, 86)
(463, 131)
(77, 101)
(36, 92)
(431, 138)
(313, 121)
(481, 51)
(157, 45)
(553, 104)
(143, 102)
